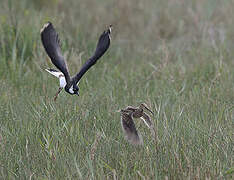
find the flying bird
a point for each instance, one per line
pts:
(127, 122)
(128, 126)
(51, 43)
(138, 112)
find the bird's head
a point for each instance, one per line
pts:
(74, 89)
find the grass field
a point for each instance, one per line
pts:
(177, 56)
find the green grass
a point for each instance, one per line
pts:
(176, 56)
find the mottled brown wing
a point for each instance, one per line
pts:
(146, 119)
(129, 129)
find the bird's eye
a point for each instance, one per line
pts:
(75, 89)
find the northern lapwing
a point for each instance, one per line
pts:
(51, 43)
(128, 126)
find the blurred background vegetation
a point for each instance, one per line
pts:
(175, 55)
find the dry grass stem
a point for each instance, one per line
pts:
(94, 146)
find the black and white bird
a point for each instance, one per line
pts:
(51, 43)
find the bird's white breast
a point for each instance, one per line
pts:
(71, 90)
(62, 81)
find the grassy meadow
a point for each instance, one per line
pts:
(177, 56)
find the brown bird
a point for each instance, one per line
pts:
(128, 126)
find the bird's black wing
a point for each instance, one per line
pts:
(50, 41)
(102, 46)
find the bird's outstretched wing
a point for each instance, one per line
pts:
(50, 41)
(102, 46)
(146, 119)
(129, 129)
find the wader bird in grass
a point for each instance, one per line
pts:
(50, 41)
(128, 126)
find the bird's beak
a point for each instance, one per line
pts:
(145, 106)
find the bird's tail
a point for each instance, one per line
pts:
(54, 72)
(60, 75)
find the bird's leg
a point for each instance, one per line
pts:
(56, 95)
